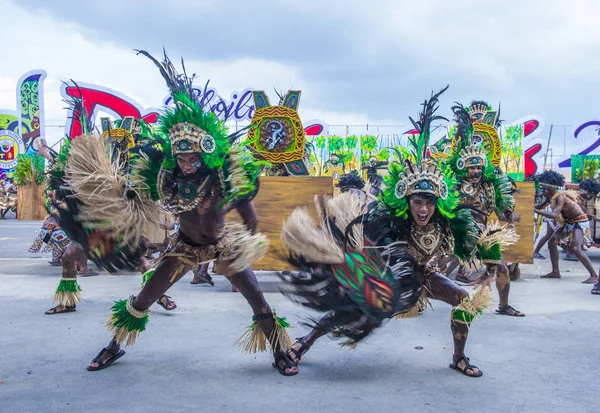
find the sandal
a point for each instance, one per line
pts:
(596, 289)
(167, 302)
(98, 359)
(299, 353)
(468, 366)
(288, 364)
(538, 256)
(204, 279)
(67, 309)
(508, 310)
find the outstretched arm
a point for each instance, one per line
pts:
(556, 210)
(43, 151)
(248, 213)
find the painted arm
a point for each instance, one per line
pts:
(248, 213)
(556, 211)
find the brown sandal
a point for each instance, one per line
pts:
(67, 309)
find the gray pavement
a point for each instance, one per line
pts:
(187, 359)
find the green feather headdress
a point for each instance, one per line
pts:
(466, 154)
(189, 125)
(419, 173)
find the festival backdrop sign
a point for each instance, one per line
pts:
(96, 98)
(239, 108)
(582, 139)
(22, 131)
(520, 160)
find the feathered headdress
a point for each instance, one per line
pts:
(420, 173)
(189, 124)
(469, 154)
(479, 120)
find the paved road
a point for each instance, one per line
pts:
(187, 360)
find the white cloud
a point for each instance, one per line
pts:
(356, 61)
(66, 54)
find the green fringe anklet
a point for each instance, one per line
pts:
(126, 323)
(471, 307)
(254, 339)
(68, 292)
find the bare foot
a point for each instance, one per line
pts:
(551, 275)
(591, 280)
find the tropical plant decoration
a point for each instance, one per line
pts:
(335, 144)
(29, 169)
(512, 150)
(369, 144)
(383, 155)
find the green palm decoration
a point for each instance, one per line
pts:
(29, 169)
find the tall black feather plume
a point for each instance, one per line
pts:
(176, 82)
(423, 125)
(464, 126)
(76, 107)
(499, 121)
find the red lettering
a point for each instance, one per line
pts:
(93, 98)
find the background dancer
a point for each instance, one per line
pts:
(574, 225)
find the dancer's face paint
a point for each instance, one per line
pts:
(189, 162)
(421, 208)
(474, 174)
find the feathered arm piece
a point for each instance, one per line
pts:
(505, 200)
(466, 235)
(426, 118)
(241, 171)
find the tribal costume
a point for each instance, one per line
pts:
(572, 220)
(75, 165)
(8, 199)
(417, 214)
(568, 225)
(487, 191)
(197, 176)
(484, 189)
(53, 239)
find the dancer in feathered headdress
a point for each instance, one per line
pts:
(197, 175)
(416, 215)
(484, 189)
